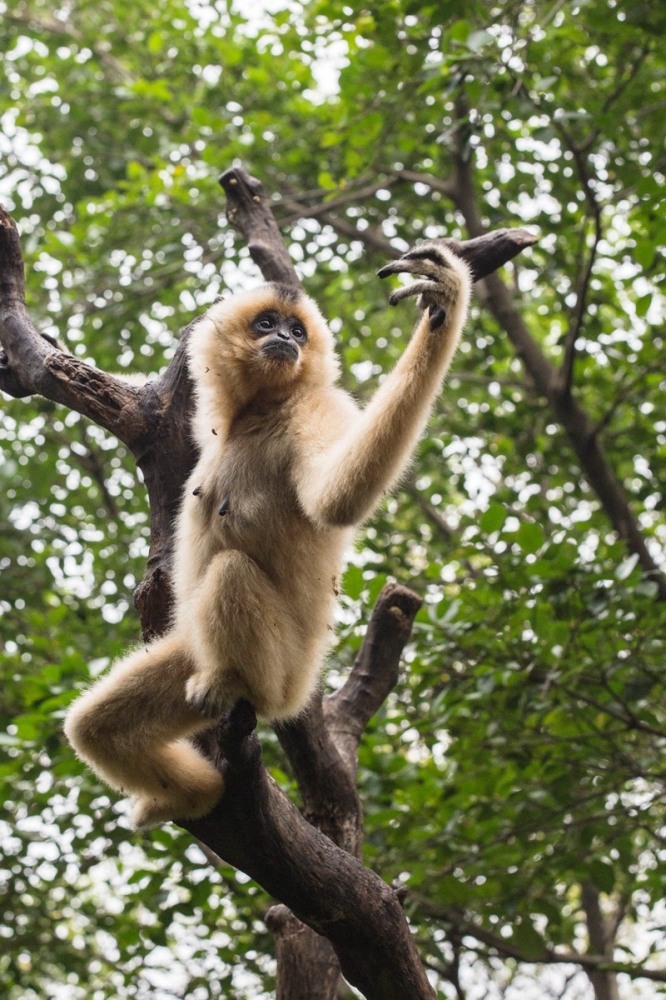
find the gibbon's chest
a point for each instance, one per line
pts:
(248, 495)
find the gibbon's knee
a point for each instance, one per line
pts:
(91, 732)
(140, 701)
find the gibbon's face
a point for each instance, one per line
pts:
(280, 338)
(272, 337)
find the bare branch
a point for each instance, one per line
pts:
(566, 372)
(308, 968)
(350, 196)
(249, 212)
(445, 186)
(326, 782)
(504, 947)
(375, 671)
(32, 364)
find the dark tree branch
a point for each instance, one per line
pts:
(257, 829)
(466, 927)
(577, 424)
(445, 186)
(308, 966)
(322, 743)
(33, 365)
(575, 326)
(350, 196)
(327, 785)
(152, 420)
(249, 212)
(375, 672)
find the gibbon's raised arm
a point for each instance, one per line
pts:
(341, 484)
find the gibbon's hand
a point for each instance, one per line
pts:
(442, 284)
(206, 695)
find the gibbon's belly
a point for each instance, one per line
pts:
(301, 560)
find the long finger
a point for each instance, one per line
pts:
(424, 267)
(417, 288)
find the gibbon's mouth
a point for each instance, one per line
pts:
(280, 350)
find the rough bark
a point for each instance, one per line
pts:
(249, 212)
(308, 965)
(257, 829)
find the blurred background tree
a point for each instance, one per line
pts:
(515, 780)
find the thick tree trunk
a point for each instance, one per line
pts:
(307, 966)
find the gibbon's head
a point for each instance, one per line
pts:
(270, 338)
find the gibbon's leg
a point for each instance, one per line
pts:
(244, 640)
(131, 728)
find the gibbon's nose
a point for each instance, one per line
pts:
(284, 334)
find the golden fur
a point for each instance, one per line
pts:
(294, 466)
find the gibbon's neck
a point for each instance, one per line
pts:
(251, 417)
(224, 408)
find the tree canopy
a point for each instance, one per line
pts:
(513, 781)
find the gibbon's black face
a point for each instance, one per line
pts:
(281, 336)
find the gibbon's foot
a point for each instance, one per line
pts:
(207, 697)
(151, 810)
(148, 812)
(440, 289)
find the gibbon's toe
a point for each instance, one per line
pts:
(149, 811)
(437, 316)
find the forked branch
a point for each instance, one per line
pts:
(257, 829)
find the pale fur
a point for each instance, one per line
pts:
(255, 589)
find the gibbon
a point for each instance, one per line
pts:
(288, 467)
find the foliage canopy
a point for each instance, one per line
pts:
(516, 775)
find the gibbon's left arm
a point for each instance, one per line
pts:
(342, 484)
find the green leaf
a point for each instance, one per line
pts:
(528, 940)
(493, 518)
(530, 536)
(602, 875)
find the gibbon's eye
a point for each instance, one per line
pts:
(265, 323)
(298, 331)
